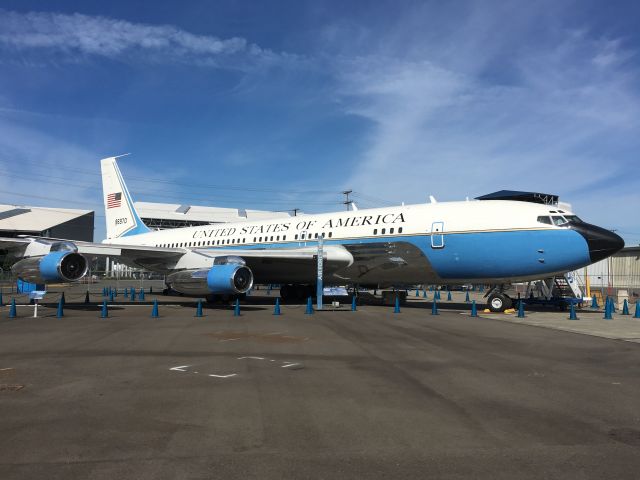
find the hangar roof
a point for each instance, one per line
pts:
(174, 211)
(19, 218)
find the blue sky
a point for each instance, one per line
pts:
(280, 105)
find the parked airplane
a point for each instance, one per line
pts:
(494, 242)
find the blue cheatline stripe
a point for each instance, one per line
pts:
(477, 255)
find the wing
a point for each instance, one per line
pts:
(273, 265)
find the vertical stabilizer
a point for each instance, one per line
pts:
(122, 219)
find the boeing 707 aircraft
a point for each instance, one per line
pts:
(494, 242)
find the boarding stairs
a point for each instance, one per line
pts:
(558, 289)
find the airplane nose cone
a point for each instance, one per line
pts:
(602, 242)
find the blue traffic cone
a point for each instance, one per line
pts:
(13, 312)
(417, 292)
(474, 309)
(154, 311)
(236, 308)
(572, 313)
(637, 314)
(424, 294)
(60, 312)
(396, 307)
(521, 309)
(466, 298)
(309, 309)
(133, 294)
(199, 309)
(625, 307)
(434, 308)
(141, 295)
(105, 310)
(607, 310)
(276, 309)
(354, 305)
(594, 302)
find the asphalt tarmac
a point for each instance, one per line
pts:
(336, 394)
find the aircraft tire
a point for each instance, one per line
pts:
(498, 302)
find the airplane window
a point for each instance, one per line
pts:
(302, 236)
(316, 235)
(383, 231)
(545, 220)
(400, 230)
(391, 230)
(296, 236)
(330, 234)
(233, 240)
(278, 237)
(284, 237)
(244, 240)
(272, 238)
(375, 231)
(573, 218)
(558, 220)
(254, 239)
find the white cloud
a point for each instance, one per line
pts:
(76, 35)
(549, 116)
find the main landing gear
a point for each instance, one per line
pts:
(296, 292)
(497, 300)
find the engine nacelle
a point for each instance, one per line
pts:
(230, 278)
(53, 267)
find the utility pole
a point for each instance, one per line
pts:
(347, 201)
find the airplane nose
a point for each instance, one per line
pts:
(602, 242)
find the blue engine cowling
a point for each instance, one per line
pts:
(53, 267)
(228, 278)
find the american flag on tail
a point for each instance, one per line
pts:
(114, 200)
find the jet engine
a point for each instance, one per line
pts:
(62, 266)
(230, 278)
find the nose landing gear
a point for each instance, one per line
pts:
(497, 300)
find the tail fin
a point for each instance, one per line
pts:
(122, 219)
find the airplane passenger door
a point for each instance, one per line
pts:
(437, 235)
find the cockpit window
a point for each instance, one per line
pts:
(558, 220)
(545, 220)
(573, 218)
